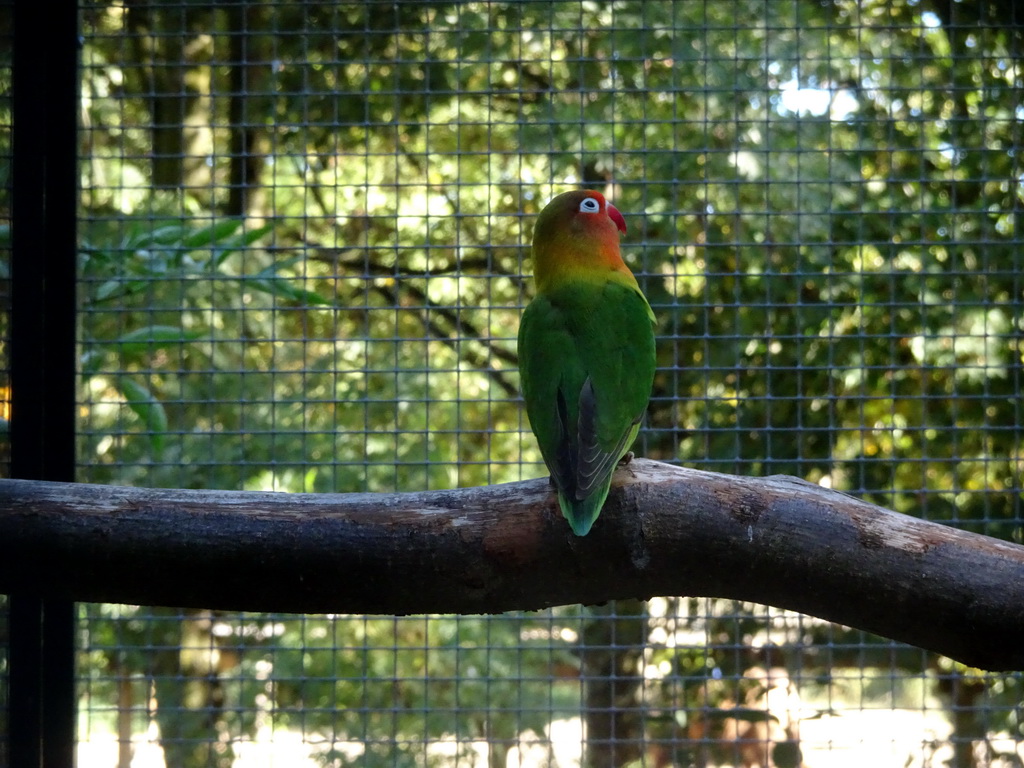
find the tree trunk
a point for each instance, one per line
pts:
(247, 104)
(610, 657)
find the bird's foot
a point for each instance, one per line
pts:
(625, 462)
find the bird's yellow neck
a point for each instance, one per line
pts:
(568, 258)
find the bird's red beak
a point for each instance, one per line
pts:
(614, 215)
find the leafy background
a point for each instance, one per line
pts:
(302, 264)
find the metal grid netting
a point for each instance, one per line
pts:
(302, 266)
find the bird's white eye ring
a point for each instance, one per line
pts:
(589, 205)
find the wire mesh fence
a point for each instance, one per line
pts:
(303, 256)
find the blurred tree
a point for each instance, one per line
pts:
(303, 233)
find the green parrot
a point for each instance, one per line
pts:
(586, 351)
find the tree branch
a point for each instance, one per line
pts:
(665, 531)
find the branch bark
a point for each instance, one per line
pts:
(665, 531)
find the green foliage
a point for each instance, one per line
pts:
(823, 207)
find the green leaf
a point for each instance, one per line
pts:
(148, 408)
(148, 336)
(211, 235)
(147, 238)
(236, 243)
(277, 266)
(268, 281)
(91, 362)
(283, 289)
(115, 289)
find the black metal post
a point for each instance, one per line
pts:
(44, 193)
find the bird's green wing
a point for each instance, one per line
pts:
(618, 354)
(586, 364)
(547, 358)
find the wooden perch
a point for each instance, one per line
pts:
(665, 531)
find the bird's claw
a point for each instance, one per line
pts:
(627, 457)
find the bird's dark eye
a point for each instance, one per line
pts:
(589, 205)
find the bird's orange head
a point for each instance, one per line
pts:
(577, 237)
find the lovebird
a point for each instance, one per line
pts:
(586, 351)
